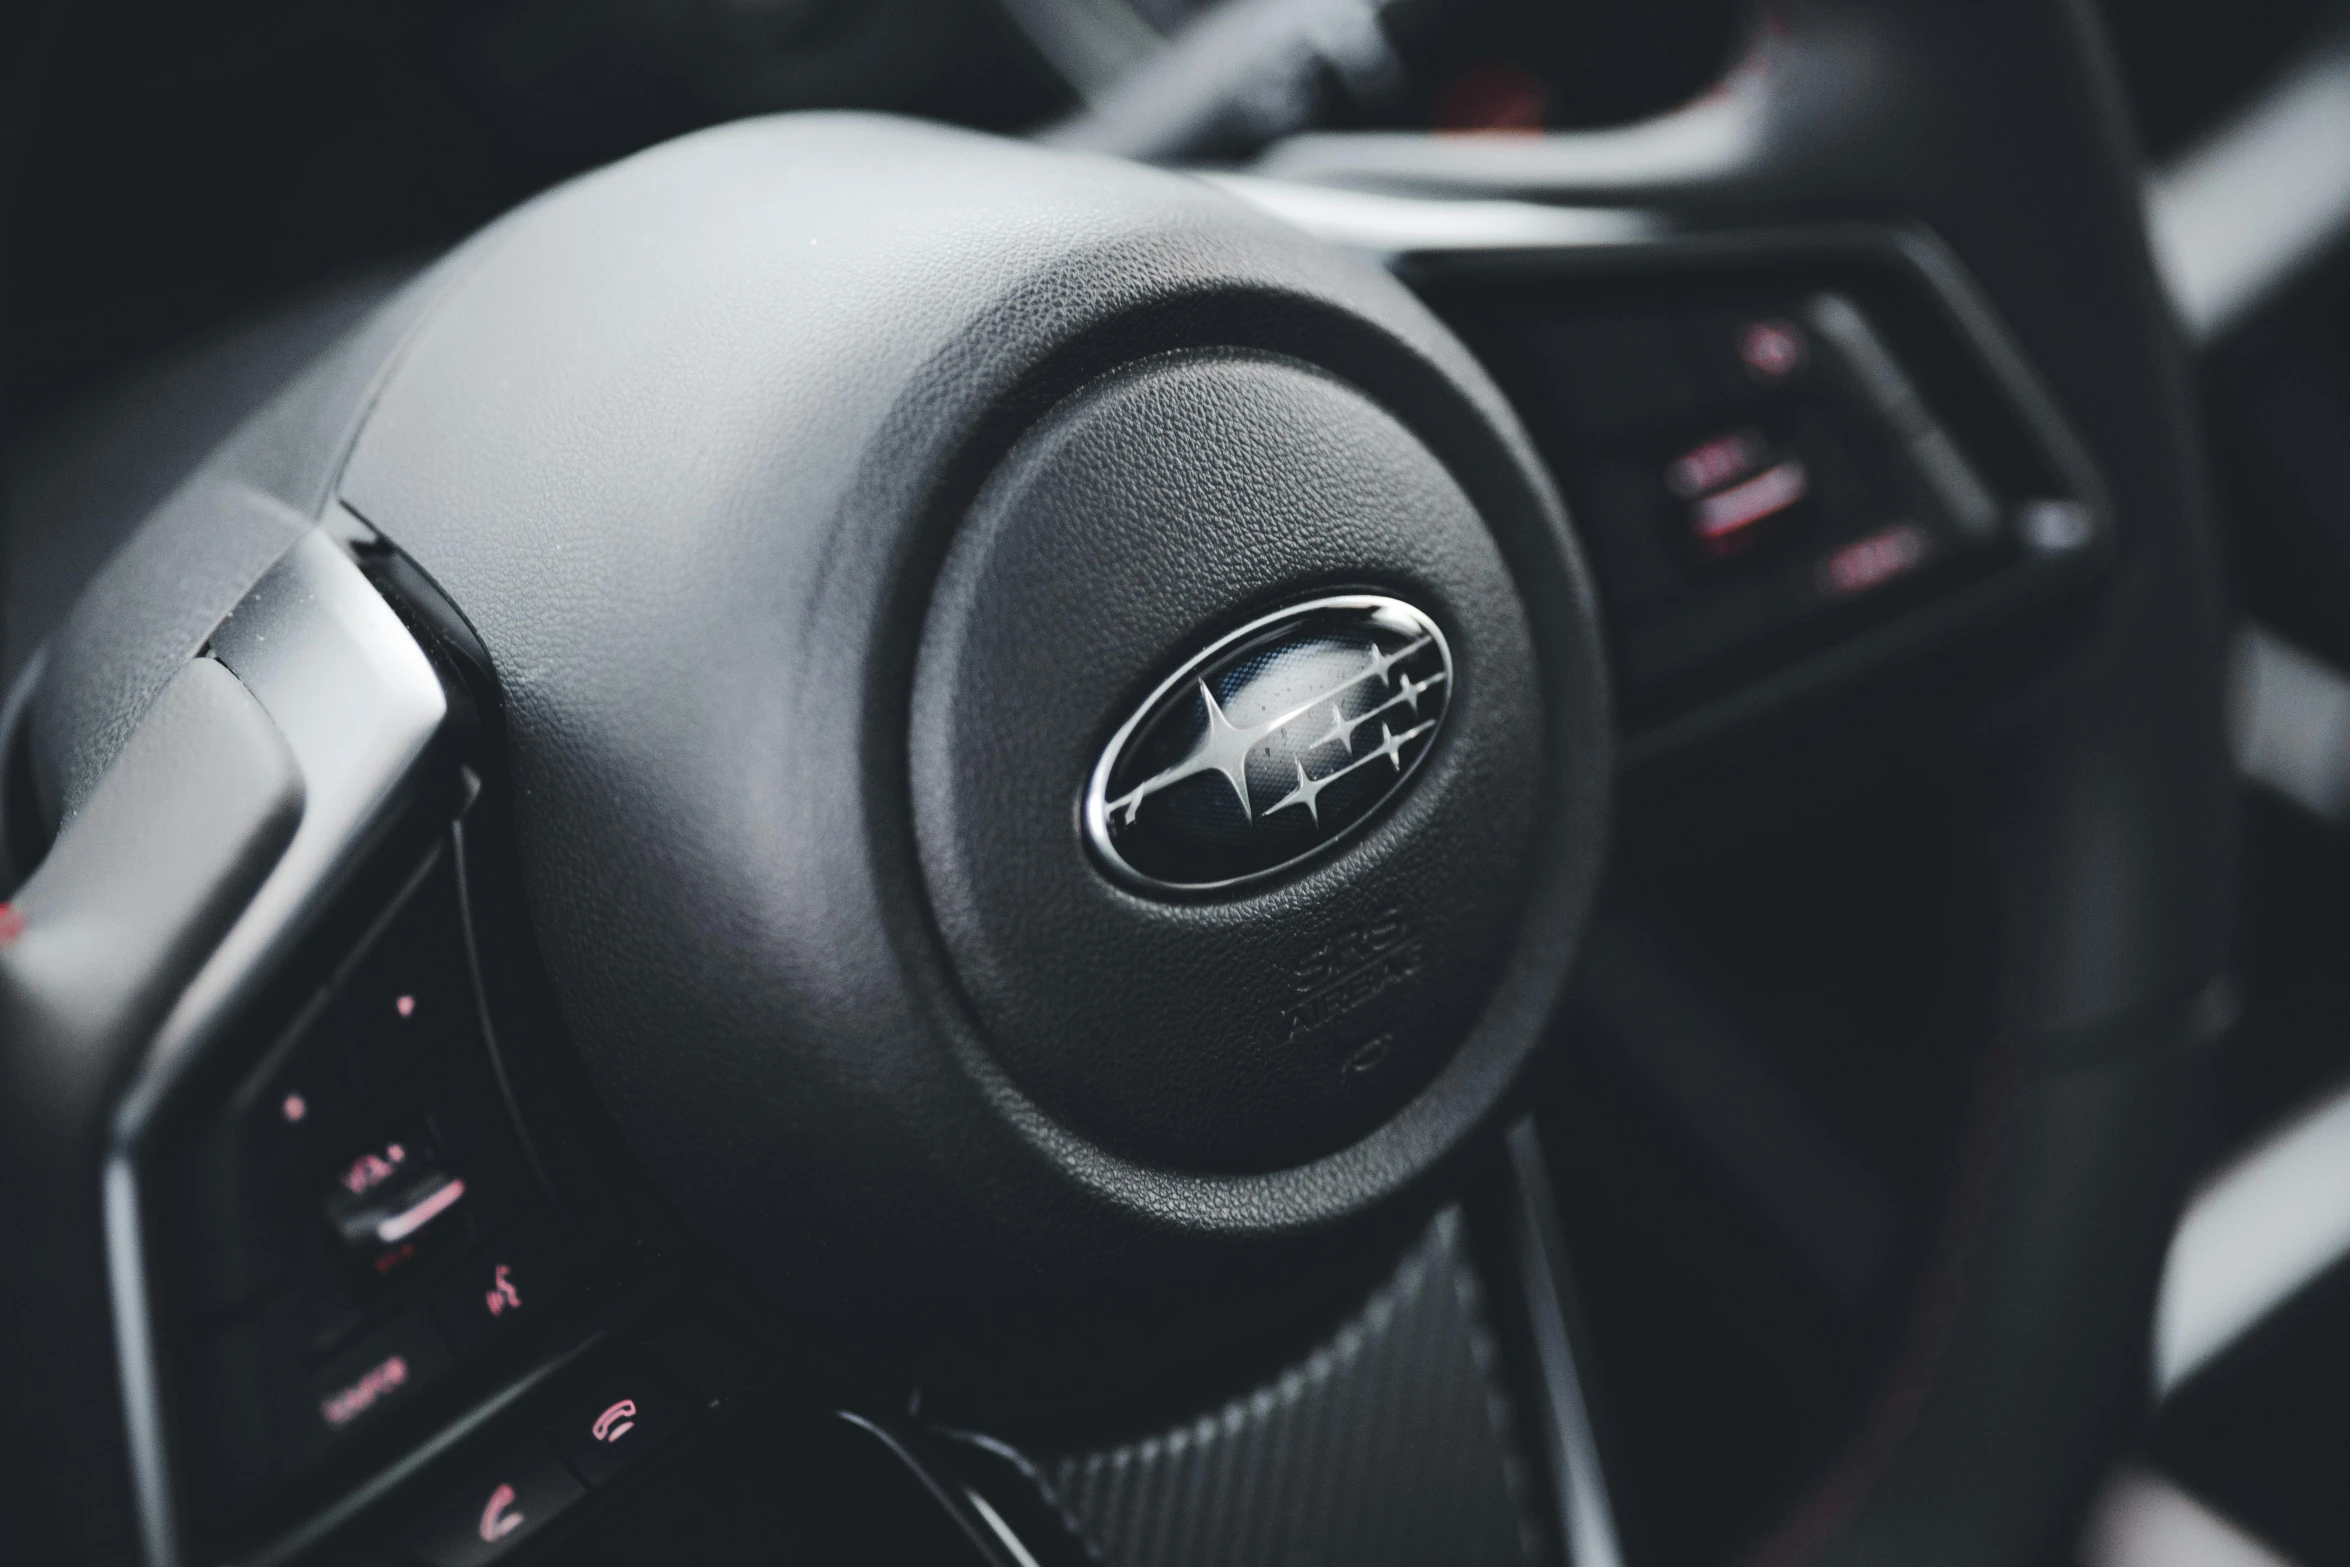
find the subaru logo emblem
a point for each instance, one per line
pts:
(1270, 744)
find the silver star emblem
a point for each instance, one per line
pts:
(1309, 788)
(1363, 668)
(1223, 746)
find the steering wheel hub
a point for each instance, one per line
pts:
(1304, 839)
(900, 489)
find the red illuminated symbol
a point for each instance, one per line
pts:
(417, 1215)
(1772, 350)
(405, 1006)
(373, 1387)
(294, 1108)
(1882, 556)
(11, 923)
(616, 1422)
(1720, 516)
(498, 1517)
(371, 1170)
(502, 1295)
(1718, 462)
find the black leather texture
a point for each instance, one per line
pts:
(83, 479)
(1393, 1443)
(155, 602)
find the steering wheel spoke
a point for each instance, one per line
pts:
(1799, 453)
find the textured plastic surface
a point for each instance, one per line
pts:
(1394, 1443)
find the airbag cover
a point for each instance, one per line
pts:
(689, 442)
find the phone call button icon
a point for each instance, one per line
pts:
(498, 1517)
(617, 1416)
(617, 1420)
(502, 1506)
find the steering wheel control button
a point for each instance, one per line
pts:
(617, 1417)
(1736, 486)
(503, 1506)
(391, 1203)
(496, 1290)
(1873, 561)
(1773, 350)
(411, 990)
(374, 1379)
(1270, 744)
(1836, 457)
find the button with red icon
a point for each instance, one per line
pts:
(616, 1417)
(393, 1202)
(502, 1506)
(1773, 350)
(1732, 484)
(367, 1384)
(498, 1287)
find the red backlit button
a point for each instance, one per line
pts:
(1709, 465)
(1872, 561)
(1773, 351)
(1731, 484)
(497, 1288)
(391, 1202)
(1723, 519)
(618, 1417)
(359, 1389)
(504, 1505)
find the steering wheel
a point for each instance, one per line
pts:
(854, 766)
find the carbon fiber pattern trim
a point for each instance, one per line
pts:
(1393, 1444)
